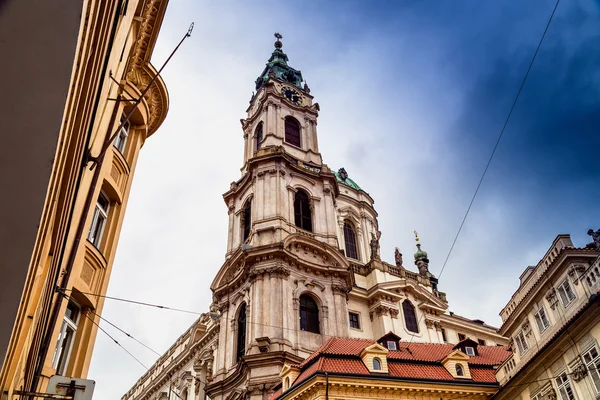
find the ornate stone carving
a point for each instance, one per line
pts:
(579, 372)
(526, 328)
(429, 323)
(394, 312)
(574, 272)
(398, 257)
(551, 394)
(374, 244)
(595, 244)
(438, 326)
(551, 298)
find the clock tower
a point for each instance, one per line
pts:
(282, 290)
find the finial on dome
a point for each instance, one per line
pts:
(420, 254)
(278, 43)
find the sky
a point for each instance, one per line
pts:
(413, 96)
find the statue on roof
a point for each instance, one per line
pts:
(421, 260)
(343, 174)
(595, 239)
(375, 246)
(398, 257)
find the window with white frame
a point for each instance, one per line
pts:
(99, 220)
(391, 345)
(121, 138)
(538, 396)
(565, 291)
(541, 319)
(521, 343)
(592, 362)
(66, 337)
(564, 387)
(470, 351)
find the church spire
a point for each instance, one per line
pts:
(278, 67)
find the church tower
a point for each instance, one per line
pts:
(282, 291)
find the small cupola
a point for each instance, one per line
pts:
(457, 364)
(467, 346)
(390, 341)
(375, 358)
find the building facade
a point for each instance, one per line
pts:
(553, 322)
(302, 264)
(97, 145)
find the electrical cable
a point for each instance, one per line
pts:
(496, 146)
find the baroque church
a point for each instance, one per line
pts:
(302, 267)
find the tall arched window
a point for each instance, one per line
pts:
(258, 135)
(292, 131)
(410, 318)
(247, 221)
(309, 314)
(350, 241)
(302, 214)
(459, 370)
(377, 364)
(241, 332)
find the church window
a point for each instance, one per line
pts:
(354, 320)
(302, 212)
(459, 370)
(247, 221)
(309, 314)
(376, 364)
(241, 332)
(410, 317)
(258, 135)
(350, 241)
(292, 131)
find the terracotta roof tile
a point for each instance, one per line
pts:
(420, 371)
(340, 346)
(482, 374)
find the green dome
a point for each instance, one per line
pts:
(342, 177)
(420, 253)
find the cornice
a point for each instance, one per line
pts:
(140, 71)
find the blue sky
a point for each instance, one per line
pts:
(413, 96)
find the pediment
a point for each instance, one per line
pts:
(310, 252)
(375, 348)
(456, 355)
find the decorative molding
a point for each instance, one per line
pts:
(552, 298)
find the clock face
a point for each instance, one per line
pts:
(292, 95)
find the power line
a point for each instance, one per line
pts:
(497, 143)
(139, 303)
(122, 331)
(114, 340)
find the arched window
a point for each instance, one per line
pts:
(292, 131)
(377, 364)
(309, 314)
(410, 318)
(258, 135)
(350, 241)
(247, 221)
(459, 370)
(241, 332)
(286, 384)
(302, 214)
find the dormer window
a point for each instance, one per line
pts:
(459, 370)
(391, 345)
(470, 351)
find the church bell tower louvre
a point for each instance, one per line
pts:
(302, 264)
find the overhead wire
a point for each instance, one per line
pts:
(485, 170)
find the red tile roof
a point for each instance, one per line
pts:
(410, 361)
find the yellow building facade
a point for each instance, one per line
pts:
(53, 331)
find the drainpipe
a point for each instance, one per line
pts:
(326, 386)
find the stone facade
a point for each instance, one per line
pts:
(277, 265)
(553, 322)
